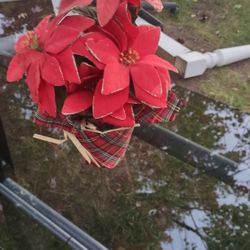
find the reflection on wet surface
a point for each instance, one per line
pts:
(151, 201)
(222, 129)
(21, 16)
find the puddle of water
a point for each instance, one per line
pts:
(151, 201)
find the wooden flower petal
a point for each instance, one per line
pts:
(61, 38)
(41, 28)
(68, 66)
(105, 10)
(116, 78)
(147, 78)
(34, 80)
(114, 30)
(156, 61)
(80, 23)
(128, 122)
(79, 47)
(87, 71)
(123, 18)
(51, 71)
(146, 42)
(104, 105)
(146, 98)
(120, 114)
(165, 79)
(105, 50)
(77, 102)
(47, 102)
(16, 69)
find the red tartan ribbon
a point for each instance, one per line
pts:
(109, 148)
(146, 115)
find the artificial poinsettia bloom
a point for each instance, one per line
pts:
(105, 9)
(126, 57)
(45, 56)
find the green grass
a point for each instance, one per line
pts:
(227, 25)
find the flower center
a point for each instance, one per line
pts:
(130, 56)
(31, 41)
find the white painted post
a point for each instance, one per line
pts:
(195, 63)
(191, 63)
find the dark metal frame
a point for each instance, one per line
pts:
(5, 157)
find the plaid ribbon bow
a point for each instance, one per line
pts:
(109, 147)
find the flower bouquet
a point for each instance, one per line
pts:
(94, 74)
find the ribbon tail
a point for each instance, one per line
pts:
(49, 139)
(83, 151)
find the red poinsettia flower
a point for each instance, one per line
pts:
(45, 56)
(105, 9)
(126, 57)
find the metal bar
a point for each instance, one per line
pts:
(188, 151)
(4, 149)
(170, 6)
(5, 157)
(150, 18)
(68, 227)
(39, 217)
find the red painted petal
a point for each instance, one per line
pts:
(146, 43)
(51, 71)
(62, 37)
(33, 56)
(156, 61)
(128, 122)
(147, 78)
(19, 45)
(79, 48)
(87, 71)
(104, 105)
(34, 80)
(120, 114)
(68, 66)
(16, 68)
(123, 18)
(77, 102)
(106, 10)
(114, 30)
(67, 5)
(145, 97)
(165, 78)
(47, 102)
(104, 50)
(116, 78)
(80, 23)
(41, 28)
